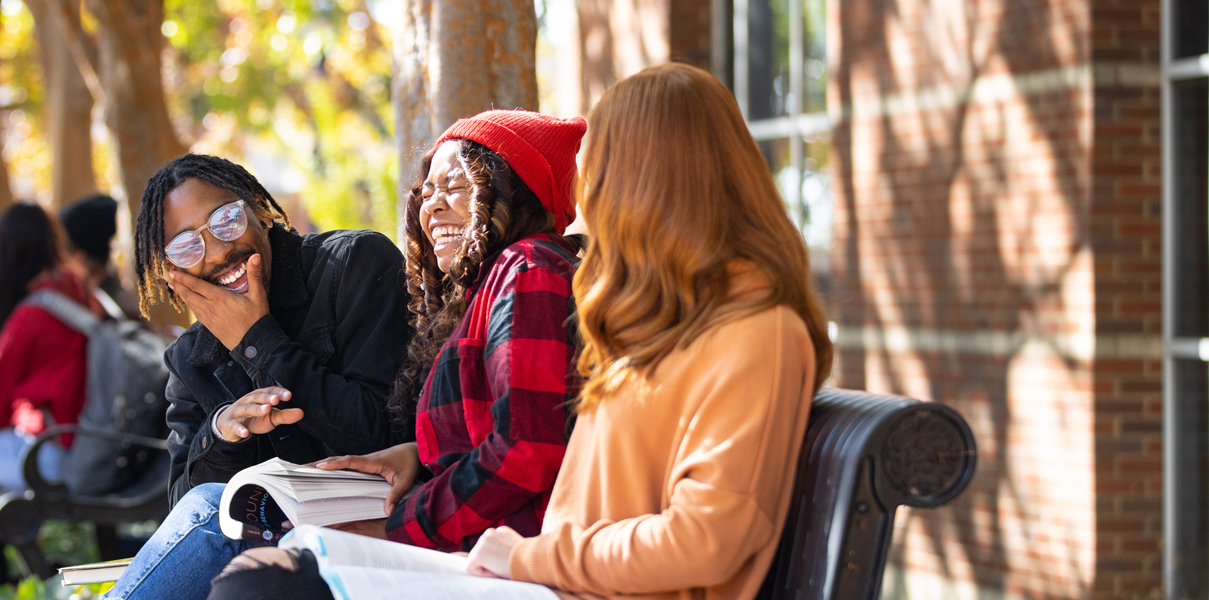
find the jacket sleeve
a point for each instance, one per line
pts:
(748, 411)
(346, 408)
(529, 359)
(198, 456)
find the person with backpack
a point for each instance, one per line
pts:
(90, 224)
(42, 359)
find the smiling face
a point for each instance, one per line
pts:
(445, 203)
(189, 206)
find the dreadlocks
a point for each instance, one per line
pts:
(150, 262)
(502, 211)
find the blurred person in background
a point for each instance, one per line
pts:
(42, 360)
(90, 225)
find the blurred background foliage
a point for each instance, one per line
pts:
(297, 91)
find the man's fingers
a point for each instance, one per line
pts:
(187, 294)
(184, 281)
(288, 416)
(255, 279)
(270, 395)
(247, 410)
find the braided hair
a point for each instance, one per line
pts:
(502, 211)
(150, 262)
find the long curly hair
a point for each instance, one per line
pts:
(502, 211)
(677, 191)
(30, 244)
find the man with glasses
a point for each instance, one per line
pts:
(297, 339)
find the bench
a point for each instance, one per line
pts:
(864, 455)
(23, 512)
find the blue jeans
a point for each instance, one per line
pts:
(184, 554)
(14, 444)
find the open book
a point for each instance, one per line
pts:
(362, 568)
(265, 501)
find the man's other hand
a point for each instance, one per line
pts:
(256, 412)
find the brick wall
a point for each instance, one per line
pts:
(997, 247)
(618, 39)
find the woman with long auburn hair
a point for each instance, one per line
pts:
(704, 344)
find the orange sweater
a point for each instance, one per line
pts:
(678, 489)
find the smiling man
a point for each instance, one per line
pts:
(297, 339)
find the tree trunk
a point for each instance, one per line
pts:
(66, 108)
(454, 59)
(129, 44)
(6, 190)
(121, 68)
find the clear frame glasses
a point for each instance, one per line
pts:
(226, 224)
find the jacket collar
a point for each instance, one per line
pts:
(287, 291)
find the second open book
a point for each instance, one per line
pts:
(278, 498)
(361, 568)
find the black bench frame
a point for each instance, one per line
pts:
(22, 513)
(863, 456)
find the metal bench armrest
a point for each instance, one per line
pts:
(33, 476)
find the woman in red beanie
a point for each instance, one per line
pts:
(492, 365)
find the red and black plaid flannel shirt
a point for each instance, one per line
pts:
(492, 422)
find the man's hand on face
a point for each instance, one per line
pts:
(256, 412)
(226, 314)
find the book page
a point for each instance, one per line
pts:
(360, 583)
(333, 547)
(303, 494)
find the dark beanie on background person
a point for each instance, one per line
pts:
(90, 225)
(540, 148)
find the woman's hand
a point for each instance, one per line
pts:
(256, 412)
(375, 528)
(399, 465)
(489, 557)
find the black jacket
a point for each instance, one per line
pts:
(335, 336)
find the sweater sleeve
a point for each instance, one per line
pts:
(726, 482)
(529, 369)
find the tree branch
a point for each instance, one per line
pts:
(83, 48)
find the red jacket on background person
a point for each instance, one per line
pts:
(42, 361)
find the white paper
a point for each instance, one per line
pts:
(336, 547)
(362, 568)
(359, 583)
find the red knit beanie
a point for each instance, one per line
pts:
(540, 148)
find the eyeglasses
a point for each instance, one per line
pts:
(226, 223)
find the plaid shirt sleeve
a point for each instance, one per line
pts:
(528, 360)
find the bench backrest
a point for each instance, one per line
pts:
(863, 456)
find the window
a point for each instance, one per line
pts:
(780, 82)
(1186, 298)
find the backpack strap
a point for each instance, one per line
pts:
(66, 310)
(109, 304)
